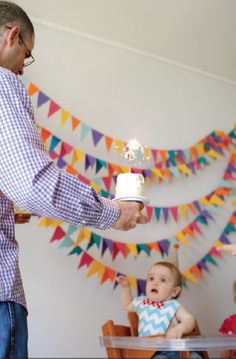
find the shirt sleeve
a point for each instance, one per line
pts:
(28, 175)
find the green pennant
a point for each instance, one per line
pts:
(208, 258)
(171, 154)
(76, 250)
(202, 160)
(201, 219)
(157, 212)
(143, 247)
(94, 239)
(229, 228)
(104, 193)
(71, 229)
(207, 146)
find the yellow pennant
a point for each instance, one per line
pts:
(95, 186)
(95, 267)
(64, 116)
(214, 154)
(181, 237)
(217, 244)
(189, 276)
(133, 283)
(133, 248)
(157, 172)
(119, 146)
(78, 155)
(216, 200)
(183, 211)
(185, 169)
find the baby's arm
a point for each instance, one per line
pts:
(186, 324)
(126, 294)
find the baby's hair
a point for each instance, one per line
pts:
(177, 274)
(234, 291)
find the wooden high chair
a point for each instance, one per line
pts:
(111, 329)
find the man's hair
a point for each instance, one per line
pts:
(13, 15)
(176, 273)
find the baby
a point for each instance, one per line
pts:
(159, 312)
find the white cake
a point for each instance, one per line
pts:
(129, 185)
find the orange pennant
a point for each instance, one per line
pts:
(32, 89)
(108, 141)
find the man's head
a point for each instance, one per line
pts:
(16, 37)
(164, 282)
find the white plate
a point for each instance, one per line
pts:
(132, 198)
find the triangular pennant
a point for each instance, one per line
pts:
(53, 107)
(84, 130)
(96, 136)
(65, 149)
(108, 274)
(85, 260)
(54, 142)
(75, 122)
(32, 89)
(108, 141)
(58, 234)
(64, 116)
(45, 134)
(42, 99)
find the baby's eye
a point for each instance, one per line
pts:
(151, 279)
(163, 280)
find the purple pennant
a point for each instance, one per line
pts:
(231, 168)
(61, 163)
(181, 155)
(164, 246)
(165, 213)
(96, 136)
(206, 215)
(224, 239)
(104, 246)
(109, 244)
(89, 161)
(42, 98)
(146, 174)
(192, 167)
(197, 206)
(202, 265)
(219, 150)
(141, 286)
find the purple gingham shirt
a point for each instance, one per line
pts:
(29, 178)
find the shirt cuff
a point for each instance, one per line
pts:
(110, 214)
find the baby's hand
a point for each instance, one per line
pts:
(123, 281)
(174, 333)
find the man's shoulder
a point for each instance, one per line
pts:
(9, 76)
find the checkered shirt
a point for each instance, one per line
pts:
(30, 178)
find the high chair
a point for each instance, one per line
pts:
(111, 329)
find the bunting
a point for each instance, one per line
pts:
(192, 274)
(213, 144)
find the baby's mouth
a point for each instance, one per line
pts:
(154, 290)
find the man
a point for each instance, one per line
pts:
(29, 178)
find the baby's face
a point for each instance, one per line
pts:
(161, 284)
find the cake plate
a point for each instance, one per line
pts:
(142, 199)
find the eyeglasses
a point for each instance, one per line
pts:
(29, 55)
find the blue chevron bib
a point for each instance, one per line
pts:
(153, 320)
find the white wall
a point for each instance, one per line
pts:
(123, 95)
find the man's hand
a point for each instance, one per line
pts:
(231, 248)
(130, 215)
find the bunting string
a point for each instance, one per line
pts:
(59, 149)
(192, 274)
(213, 144)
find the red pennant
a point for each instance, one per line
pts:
(174, 212)
(107, 182)
(58, 234)
(85, 260)
(65, 149)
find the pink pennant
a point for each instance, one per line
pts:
(53, 107)
(149, 212)
(65, 149)
(194, 226)
(174, 212)
(215, 252)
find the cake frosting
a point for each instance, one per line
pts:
(129, 185)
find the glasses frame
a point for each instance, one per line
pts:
(29, 54)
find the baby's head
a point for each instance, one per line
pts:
(164, 282)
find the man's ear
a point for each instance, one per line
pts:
(13, 35)
(176, 292)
